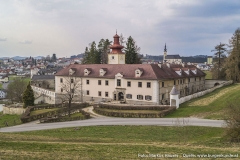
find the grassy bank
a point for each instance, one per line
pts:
(208, 74)
(10, 120)
(114, 142)
(212, 105)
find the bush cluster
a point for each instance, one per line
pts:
(125, 107)
(26, 117)
(161, 113)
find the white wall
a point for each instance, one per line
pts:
(199, 94)
(210, 83)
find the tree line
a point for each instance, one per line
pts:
(98, 54)
(227, 65)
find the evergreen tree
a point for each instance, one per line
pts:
(220, 55)
(103, 49)
(28, 96)
(86, 56)
(233, 60)
(132, 50)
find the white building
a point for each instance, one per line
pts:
(2, 94)
(133, 83)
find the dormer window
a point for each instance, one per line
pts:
(194, 70)
(87, 71)
(102, 71)
(138, 72)
(72, 71)
(178, 71)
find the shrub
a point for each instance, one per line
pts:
(233, 122)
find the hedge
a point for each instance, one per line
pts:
(162, 113)
(58, 113)
(130, 107)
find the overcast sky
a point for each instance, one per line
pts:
(66, 27)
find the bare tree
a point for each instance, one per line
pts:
(71, 87)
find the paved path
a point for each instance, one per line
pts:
(114, 121)
(93, 114)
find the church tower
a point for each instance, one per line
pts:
(116, 56)
(164, 53)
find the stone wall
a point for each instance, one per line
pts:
(199, 94)
(212, 82)
(13, 110)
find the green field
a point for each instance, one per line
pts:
(11, 120)
(114, 142)
(210, 106)
(208, 74)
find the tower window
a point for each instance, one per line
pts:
(112, 57)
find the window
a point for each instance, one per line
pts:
(72, 90)
(71, 80)
(61, 90)
(139, 84)
(128, 96)
(106, 82)
(87, 81)
(148, 98)
(174, 82)
(99, 93)
(87, 92)
(163, 96)
(140, 97)
(61, 80)
(199, 78)
(148, 84)
(188, 79)
(195, 79)
(99, 82)
(128, 83)
(162, 84)
(112, 57)
(106, 94)
(118, 82)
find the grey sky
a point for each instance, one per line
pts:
(66, 27)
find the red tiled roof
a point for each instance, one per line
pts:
(150, 71)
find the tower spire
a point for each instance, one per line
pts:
(165, 48)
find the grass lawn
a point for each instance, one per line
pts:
(12, 120)
(77, 115)
(114, 142)
(211, 106)
(208, 74)
(43, 111)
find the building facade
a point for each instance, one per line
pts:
(131, 83)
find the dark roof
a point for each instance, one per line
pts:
(194, 59)
(176, 56)
(42, 77)
(150, 71)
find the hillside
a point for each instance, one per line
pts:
(210, 106)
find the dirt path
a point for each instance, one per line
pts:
(93, 114)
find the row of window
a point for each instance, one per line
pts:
(139, 97)
(182, 81)
(119, 83)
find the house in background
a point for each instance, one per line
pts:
(2, 94)
(4, 79)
